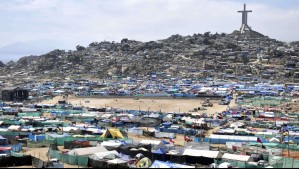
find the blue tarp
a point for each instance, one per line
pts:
(165, 142)
(161, 164)
(160, 151)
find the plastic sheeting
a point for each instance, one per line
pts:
(202, 153)
(66, 158)
(161, 164)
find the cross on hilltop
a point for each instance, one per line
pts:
(244, 25)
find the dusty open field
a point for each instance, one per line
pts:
(165, 105)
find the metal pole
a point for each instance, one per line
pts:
(148, 118)
(289, 143)
(200, 133)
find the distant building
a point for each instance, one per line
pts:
(14, 94)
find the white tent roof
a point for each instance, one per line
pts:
(274, 140)
(235, 157)
(116, 161)
(224, 165)
(110, 144)
(67, 129)
(154, 142)
(13, 127)
(202, 153)
(231, 137)
(87, 151)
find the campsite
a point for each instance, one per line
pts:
(256, 127)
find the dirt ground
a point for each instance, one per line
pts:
(41, 153)
(163, 105)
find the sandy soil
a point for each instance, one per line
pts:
(165, 105)
(41, 153)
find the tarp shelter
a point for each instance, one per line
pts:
(224, 165)
(162, 164)
(160, 151)
(117, 161)
(111, 144)
(126, 157)
(243, 158)
(274, 140)
(105, 155)
(222, 139)
(87, 151)
(14, 128)
(202, 153)
(5, 148)
(144, 163)
(128, 150)
(136, 131)
(204, 157)
(3, 141)
(165, 142)
(160, 154)
(112, 133)
(152, 142)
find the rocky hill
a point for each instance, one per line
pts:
(199, 55)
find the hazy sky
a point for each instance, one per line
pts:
(38, 26)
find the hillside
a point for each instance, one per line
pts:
(199, 55)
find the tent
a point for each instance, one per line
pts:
(161, 164)
(3, 141)
(144, 163)
(112, 133)
(160, 154)
(274, 140)
(152, 142)
(111, 144)
(160, 151)
(105, 155)
(224, 165)
(117, 161)
(204, 157)
(202, 153)
(165, 142)
(126, 157)
(235, 157)
(87, 151)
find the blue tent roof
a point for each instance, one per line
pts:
(160, 151)
(165, 142)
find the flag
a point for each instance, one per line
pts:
(171, 140)
(186, 138)
(260, 141)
